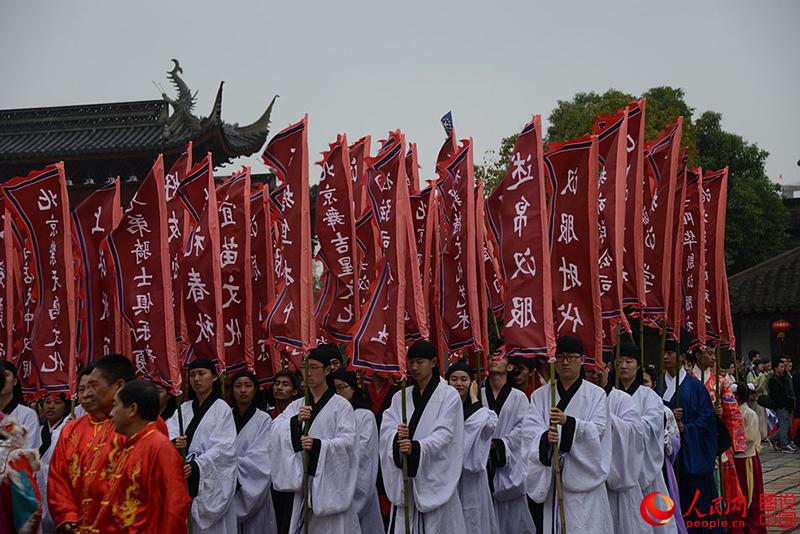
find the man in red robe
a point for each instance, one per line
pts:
(85, 456)
(147, 493)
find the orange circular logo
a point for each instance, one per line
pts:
(652, 514)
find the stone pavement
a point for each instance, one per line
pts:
(782, 477)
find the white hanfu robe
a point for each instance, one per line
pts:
(651, 479)
(438, 445)
(253, 499)
(213, 450)
(365, 501)
(583, 470)
(625, 459)
(510, 502)
(473, 488)
(333, 464)
(47, 526)
(28, 418)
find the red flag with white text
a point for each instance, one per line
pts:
(572, 168)
(290, 318)
(662, 158)
(138, 253)
(201, 279)
(92, 221)
(715, 194)
(694, 259)
(633, 290)
(40, 207)
(518, 220)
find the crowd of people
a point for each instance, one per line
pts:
(334, 454)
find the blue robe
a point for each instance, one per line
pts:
(698, 452)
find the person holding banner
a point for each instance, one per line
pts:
(698, 427)
(210, 444)
(12, 404)
(431, 440)
(56, 412)
(506, 460)
(479, 424)
(252, 500)
(579, 425)
(82, 461)
(366, 496)
(626, 454)
(316, 444)
(652, 410)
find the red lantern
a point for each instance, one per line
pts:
(781, 327)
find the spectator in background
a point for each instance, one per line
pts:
(781, 394)
(748, 464)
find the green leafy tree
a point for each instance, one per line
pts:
(756, 217)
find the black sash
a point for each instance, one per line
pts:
(420, 402)
(241, 420)
(497, 404)
(566, 395)
(199, 411)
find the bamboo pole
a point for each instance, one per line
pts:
(183, 451)
(718, 402)
(616, 358)
(677, 400)
(405, 461)
(478, 353)
(557, 462)
(305, 454)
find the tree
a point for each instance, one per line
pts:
(757, 219)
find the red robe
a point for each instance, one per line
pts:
(148, 493)
(81, 467)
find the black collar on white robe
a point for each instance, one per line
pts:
(420, 402)
(631, 390)
(566, 395)
(11, 406)
(502, 396)
(241, 420)
(316, 407)
(198, 412)
(470, 409)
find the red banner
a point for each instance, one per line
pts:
(662, 157)
(694, 259)
(572, 167)
(612, 135)
(495, 289)
(336, 233)
(412, 169)
(176, 230)
(139, 255)
(518, 220)
(40, 205)
(359, 151)
(233, 203)
(92, 221)
(263, 285)
(25, 288)
(379, 336)
(422, 236)
(633, 291)
(715, 194)
(201, 280)
(290, 317)
(675, 319)
(457, 295)
(7, 261)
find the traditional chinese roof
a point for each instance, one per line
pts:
(770, 287)
(97, 141)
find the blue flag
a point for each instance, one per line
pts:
(447, 122)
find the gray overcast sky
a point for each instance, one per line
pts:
(365, 67)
